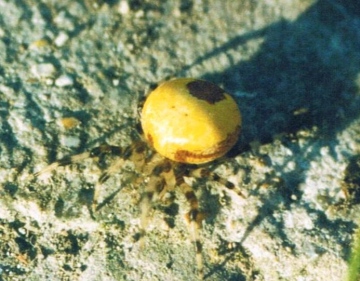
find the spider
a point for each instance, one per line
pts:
(185, 122)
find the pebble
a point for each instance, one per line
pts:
(70, 141)
(123, 7)
(61, 39)
(43, 70)
(64, 81)
(68, 122)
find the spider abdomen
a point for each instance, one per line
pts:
(190, 121)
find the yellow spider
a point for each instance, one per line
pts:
(187, 122)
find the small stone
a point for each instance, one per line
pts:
(124, 7)
(64, 81)
(61, 39)
(70, 141)
(43, 70)
(69, 122)
(39, 44)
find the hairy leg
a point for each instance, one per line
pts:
(194, 216)
(204, 173)
(134, 152)
(68, 160)
(156, 172)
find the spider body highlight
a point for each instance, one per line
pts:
(186, 121)
(190, 121)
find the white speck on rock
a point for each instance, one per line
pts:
(70, 141)
(43, 70)
(123, 8)
(64, 80)
(61, 39)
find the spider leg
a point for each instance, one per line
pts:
(194, 216)
(205, 173)
(134, 153)
(155, 188)
(68, 160)
(116, 166)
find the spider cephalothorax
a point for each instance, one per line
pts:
(186, 121)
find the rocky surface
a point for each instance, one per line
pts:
(71, 74)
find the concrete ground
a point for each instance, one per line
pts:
(71, 73)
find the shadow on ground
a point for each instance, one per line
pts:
(304, 77)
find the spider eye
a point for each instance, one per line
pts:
(190, 121)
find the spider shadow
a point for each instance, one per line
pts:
(303, 78)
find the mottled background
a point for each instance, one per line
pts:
(71, 73)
